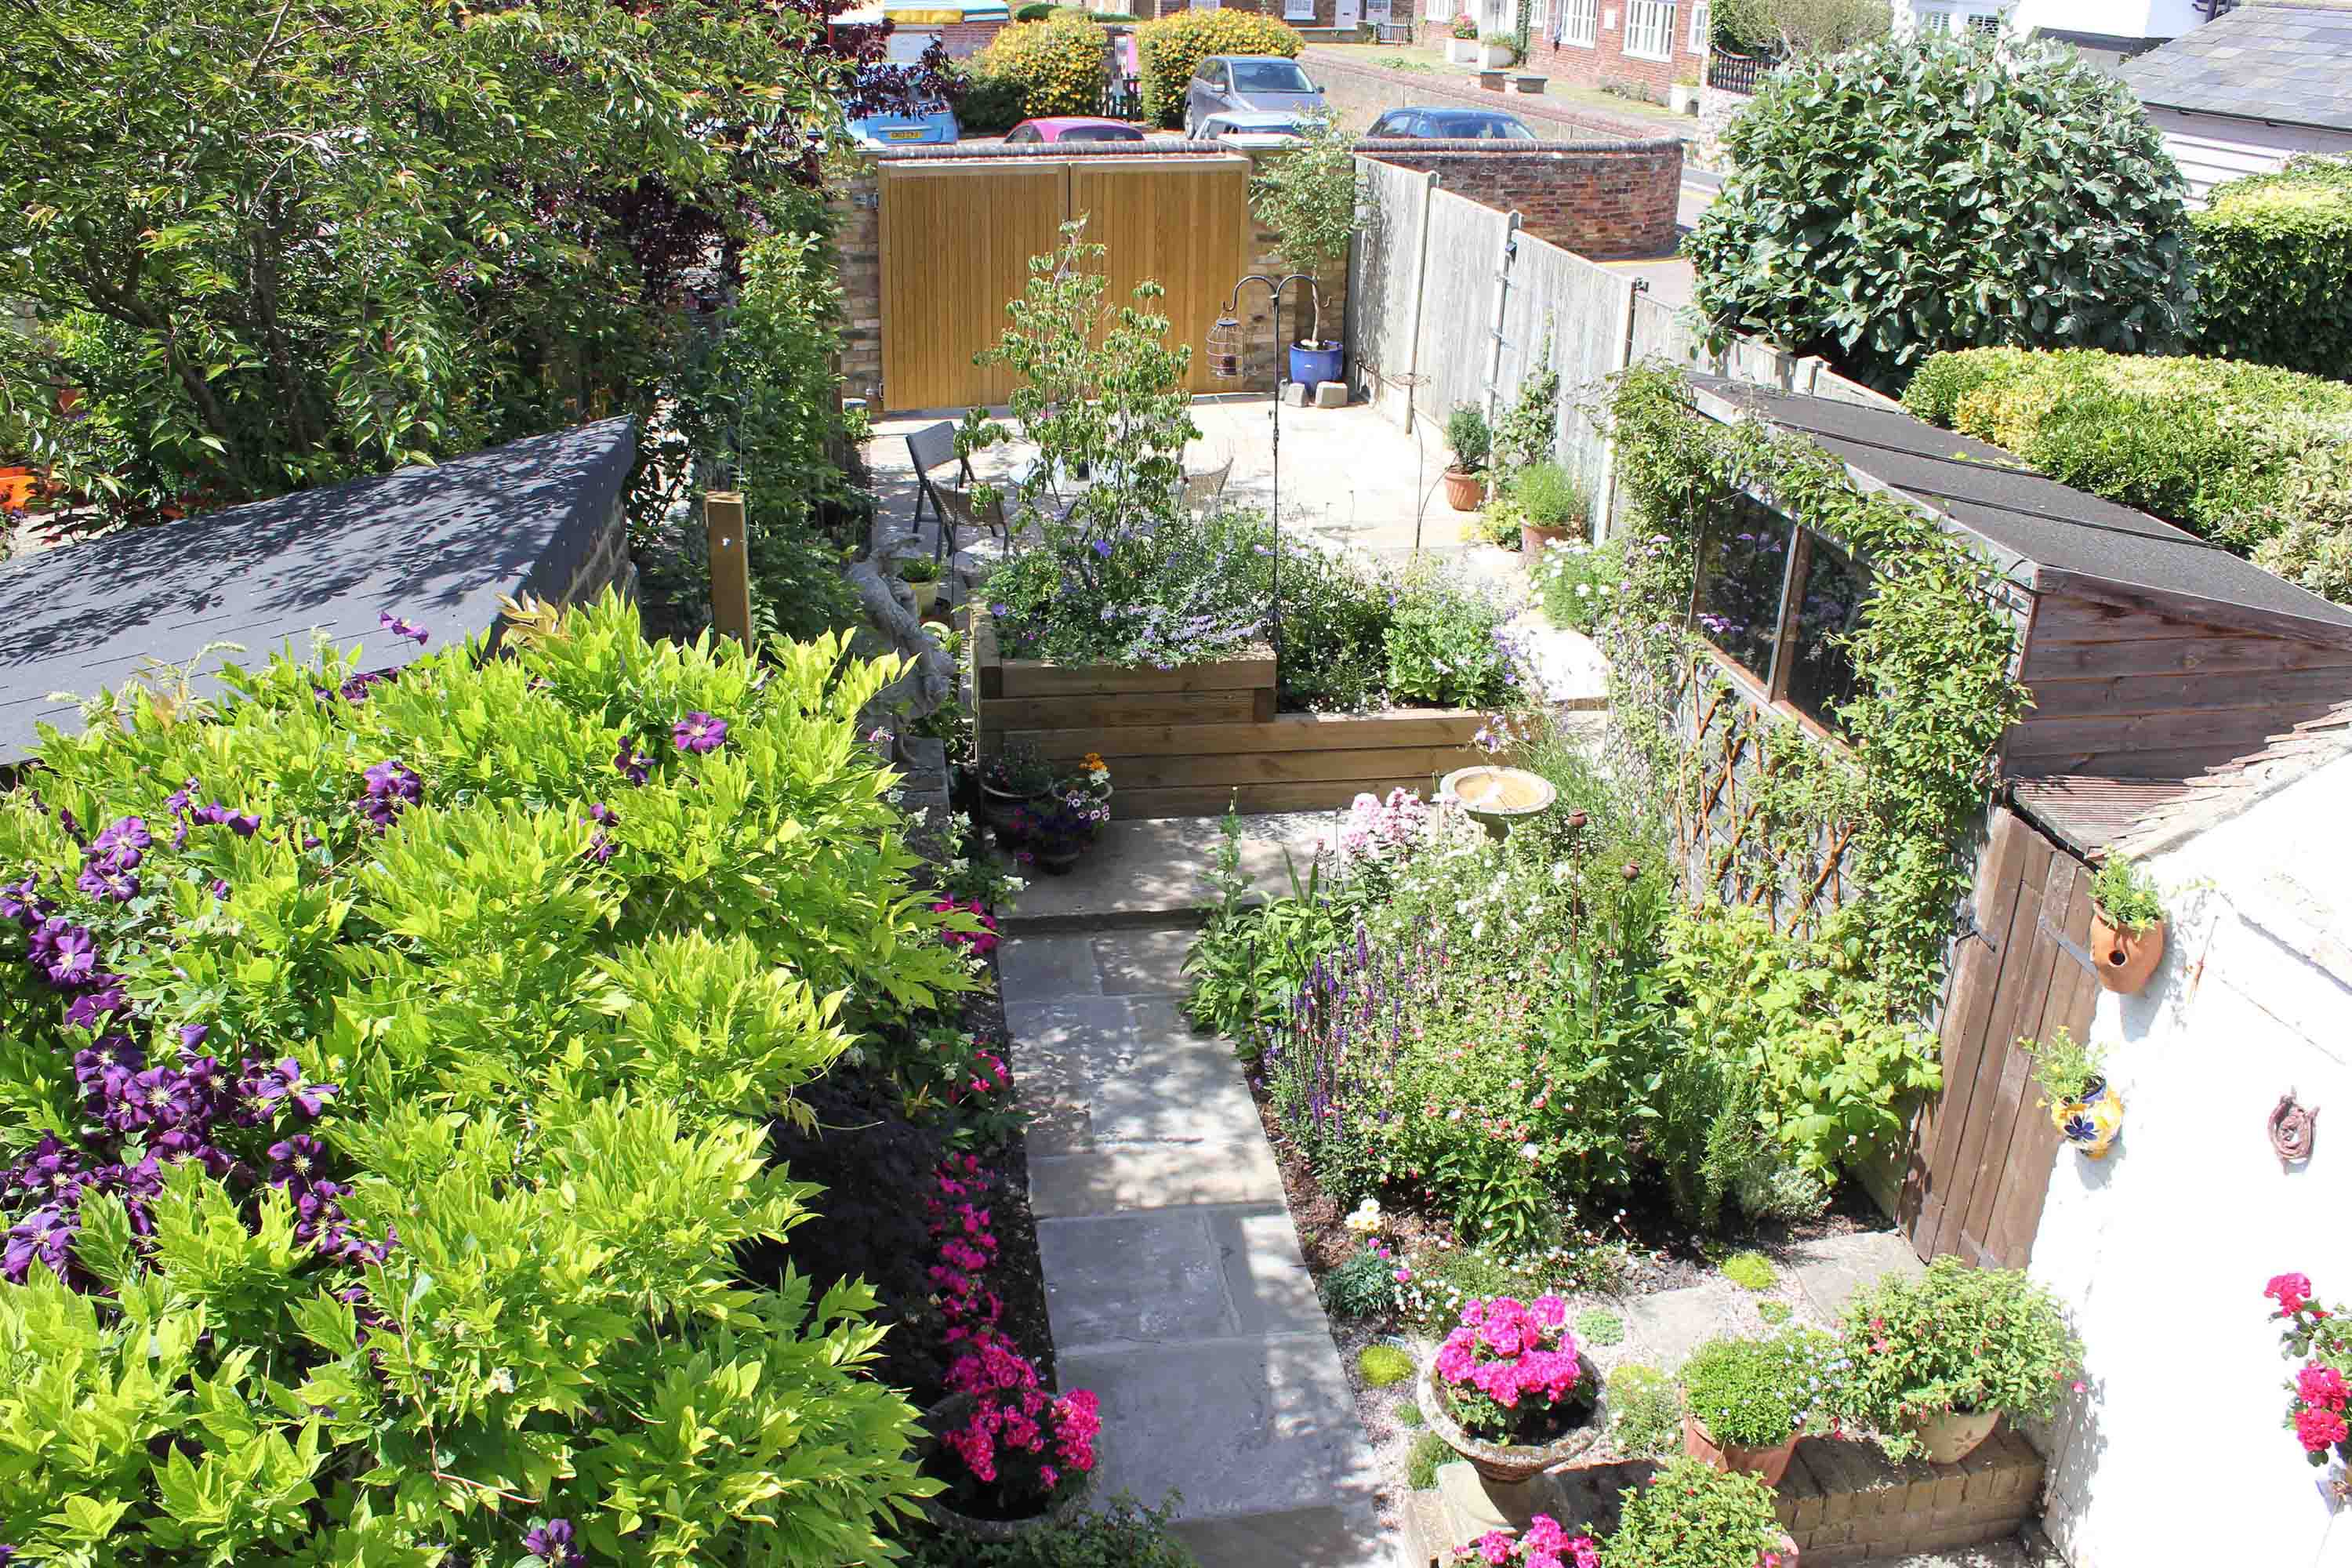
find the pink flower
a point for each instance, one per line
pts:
(2318, 1430)
(2321, 1386)
(2291, 1291)
(1494, 1546)
(1403, 1274)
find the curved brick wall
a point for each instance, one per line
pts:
(1601, 199)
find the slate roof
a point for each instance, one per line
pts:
(2028, 515)
(436, 545)
(2289, 63)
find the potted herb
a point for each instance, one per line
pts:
(1552, 506)
(1470, 440)
(1461, 47)
(2126, 923)
(1498, 51)
(1509, 1390)
(1014, 777)
(1307, 196)
(1692, 1516)
(1747, 1401)
(1932, 1363)
(2088, 1113)
(922, 573)
(1058, 825)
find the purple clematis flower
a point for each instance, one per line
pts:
(552, 1543)
(698, 732)
(392, 787)
(400, 628)
(264, 1089)
(635, 766)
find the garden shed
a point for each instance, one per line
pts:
(2148, 656)
(433, 546)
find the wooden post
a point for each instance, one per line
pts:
(731, 566)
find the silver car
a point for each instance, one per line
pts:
(1225, 83)
(1252, 125)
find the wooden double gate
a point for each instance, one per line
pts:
(957, 236)
(1981, 1156)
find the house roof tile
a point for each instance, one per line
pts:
(2290, 63)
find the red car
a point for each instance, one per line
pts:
(1073, 128)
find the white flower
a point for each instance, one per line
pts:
(1015, 884)
(1529, 1153)
(1584, 590)
(1366, 1218)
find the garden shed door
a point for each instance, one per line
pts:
(1981, 1156)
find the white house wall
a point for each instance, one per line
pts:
(2162, 1250)
(2211, 148)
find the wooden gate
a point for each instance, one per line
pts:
(957, 238)
(1981, 1157)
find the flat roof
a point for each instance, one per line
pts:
(434, 545)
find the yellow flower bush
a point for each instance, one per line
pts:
(1171, 49)
(1062, 64)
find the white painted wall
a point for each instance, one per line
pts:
(2162, 1250)
(2211, 148)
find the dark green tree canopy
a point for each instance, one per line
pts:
(1933, 192)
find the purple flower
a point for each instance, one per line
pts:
(220, 888)
(633, 765)
(1102, 548)
(400, 628)
(67, 954)
(391, 787)
(101, 993)
(698, 732)
(20, 901)
(264, 1088)
(193, 1034)
(98, 882)
(45, 1234)
(600, 848)
(552, 1543)
(119, 846)
(296, 1159)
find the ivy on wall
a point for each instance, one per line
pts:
(1933, 652)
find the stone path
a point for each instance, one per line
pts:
(1173, 1276)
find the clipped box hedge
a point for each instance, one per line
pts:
(2257, 458)
(1170, 50)
(2275, 256)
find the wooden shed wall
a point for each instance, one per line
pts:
(2128, 683)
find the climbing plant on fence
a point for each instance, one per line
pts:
(1883, 819)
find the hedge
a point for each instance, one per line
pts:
(1170, 50)
(2276, 267)
(2257, 458)
(388, 1061)
(989, 103)
(1062, 63)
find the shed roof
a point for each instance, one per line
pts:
(2027, 516)
(436, 545)
(2279, 62)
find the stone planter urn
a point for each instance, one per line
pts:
(1508, 1464)
(2126, 957)
(1466, 489)
(1683, 99)
(945, 1414)
(1000, 808)
(1528, 83)
(1948, 1438)
(1498, 798)
(1461, 52)
(1496, 56)
(1767, 1465)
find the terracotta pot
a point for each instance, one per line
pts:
(1534, 536)
(17, 485)
(944, 1416)
(2125, 958)
(1953, 1435)
(1767, 1465)
(2091, 1120)
(1509, 1464)
(1464, 490)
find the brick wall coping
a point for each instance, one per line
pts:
(977, 151)
(1374, 147)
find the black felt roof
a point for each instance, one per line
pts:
(434, 545)
(1997, 497)
(2276, 62)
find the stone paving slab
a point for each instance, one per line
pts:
(1156, 872)
(1121, 1176)
(1833, 1269)
(1671, 1324)
(1143, 963)
(1243, 1425)
(1300, 1538)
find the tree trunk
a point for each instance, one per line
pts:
(889, 605)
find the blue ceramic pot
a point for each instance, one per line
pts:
(1315, 364)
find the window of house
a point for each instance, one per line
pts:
(1580, 23)
(1650, 29)
(1774, 600)
(1702, 21)
(1538, 19)
(1438, 10)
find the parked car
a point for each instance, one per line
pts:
(1227, 82)
(1250, 124)
(1453, 125)
(1073, 128)
(931, 122)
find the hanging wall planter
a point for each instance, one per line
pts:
(2125, 957)
(2092, 1121)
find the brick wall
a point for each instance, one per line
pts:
(1606, 61)
(964, 40)
(606, 564)
(1361, 92)
(1598, 200)
(856, 207)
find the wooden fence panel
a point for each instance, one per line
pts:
(956, 243)
(1980, 1159)
(1183, 223)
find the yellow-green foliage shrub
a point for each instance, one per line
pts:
(1170, 50)
(1061, 63)
(2256, 459)
(2275, 268)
